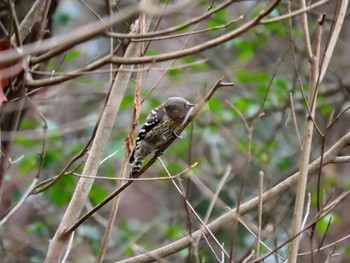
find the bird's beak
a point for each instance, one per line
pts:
(191, 107)
(190, 104)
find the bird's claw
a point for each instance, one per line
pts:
(159, 152)
(176, 135)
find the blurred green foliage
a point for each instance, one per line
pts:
(219, 138)
(326, 222)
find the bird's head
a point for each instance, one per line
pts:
(178, 109)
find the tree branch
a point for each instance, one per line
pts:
(217, 85)
(244, 208)
(59, 242)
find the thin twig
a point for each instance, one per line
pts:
(317, 217)
(334, 38)
(295, 13)
(194, 32)
(28, 192)
(19, 203)
(295, 119)
(260, 207)
(81, 192)
(203, 224)
(214, 198)
(227, 218)
(30, 19)
(305, 25)
(172, 62)
(6, 152)
(143, 179)
(178, 27)
(15, 23)
(69, 248)
(306, 149)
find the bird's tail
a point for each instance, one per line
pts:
(136, 167)
(132, 157)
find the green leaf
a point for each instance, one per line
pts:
(51, 65)
(276, 29)
(261, 90)
(174, 167)
(182, 30)
(174, 232)
(219, 18)
(260, 7)
(325, 110)
(314, 197)
(97, 194)
(246, 49)
(37, 228)
(28, 164)
(24, 141)
(264, 157)
(322, 224)
(271, 144)
(347, 251)
(52, 156)
(84, 79)
(242, 104)
(284, 165)
(152, 52)
(95, 248)
(175, 75)
(27, 124)
(71, 55)
(246, 76)
(196, 67)
(281, 85)
(127, 102)
(62, 19)
(128, 251)
(215, 104)
(61, 192)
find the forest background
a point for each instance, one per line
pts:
(261, 171)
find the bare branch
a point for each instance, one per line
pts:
(59, 242)
(223, 220)
(334, 38)
(30, 19)
(63, 42)
(306, 146)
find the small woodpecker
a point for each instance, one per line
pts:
(160, 126)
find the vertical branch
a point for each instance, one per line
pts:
(305, 26)
(115, 206)
(258, 238)
(6, 151)
(113, 214)
(59, 242)
(17, 34)
(306, 148)
(30, 19)
(334, 38)
(28, 192)
(204, 225)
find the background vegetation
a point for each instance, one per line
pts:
(77, 77)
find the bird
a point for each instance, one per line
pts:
(160, 126)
